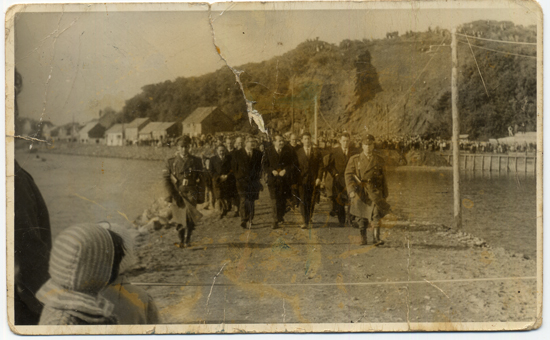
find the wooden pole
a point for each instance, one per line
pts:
(315, 122)
(292, 104)
(456, 132)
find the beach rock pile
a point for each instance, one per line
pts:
(157, 216)
(468, 239)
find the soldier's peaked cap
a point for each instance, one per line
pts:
(368, 139)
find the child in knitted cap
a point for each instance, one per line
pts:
(84, 260)
(132, 305)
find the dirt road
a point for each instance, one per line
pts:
(424, 273)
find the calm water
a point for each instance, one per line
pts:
(498, 208)
(90, 189)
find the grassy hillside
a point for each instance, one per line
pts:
(387, 86)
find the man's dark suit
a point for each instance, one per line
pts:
(279, 186)
(294, 192)
(310, 168)
(336, 166)
(224, 190)
(247, 170)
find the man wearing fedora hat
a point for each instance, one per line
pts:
(368, 189)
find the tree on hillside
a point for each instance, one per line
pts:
(511, 98)
(510, 80)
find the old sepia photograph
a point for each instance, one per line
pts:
(274, 167)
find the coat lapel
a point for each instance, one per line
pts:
(366, 163)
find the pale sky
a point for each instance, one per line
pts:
(74, 64)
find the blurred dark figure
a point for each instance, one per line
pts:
(32, 240)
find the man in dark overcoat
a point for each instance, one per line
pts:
(368, 189)
(277, 165)
(32, 240)
(295, 194)
(232, 147)
(183, 179)
(310, 170)
(336, 167)
(223, 179)
(247, 168)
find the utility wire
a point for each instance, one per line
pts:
(323, 116)
(500, 41)
(478, 70)
(499, 51)
(418, 76)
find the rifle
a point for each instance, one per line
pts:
(383, 207)
(193, 212)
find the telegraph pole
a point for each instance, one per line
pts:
(315, 121)
(292, 103)
(456, 132)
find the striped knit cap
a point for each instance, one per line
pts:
(82, 259)
(80, 266)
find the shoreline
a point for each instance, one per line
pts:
(156, 154)
(153, 153)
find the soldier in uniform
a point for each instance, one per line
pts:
(367, 188)
(183, 178)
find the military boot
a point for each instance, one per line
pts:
(376, 234)
(188, 232)
(181, 236)
(363, 237)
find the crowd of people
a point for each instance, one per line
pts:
(295, 172)
(84, 281)
(403, 144)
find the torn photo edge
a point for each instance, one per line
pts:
(248, 328)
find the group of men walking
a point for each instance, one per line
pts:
(293, 174)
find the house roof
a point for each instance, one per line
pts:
(107, 120)
(199, 114)
(117, 128)
(88, 127)
(136, 122)
(156, 127)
